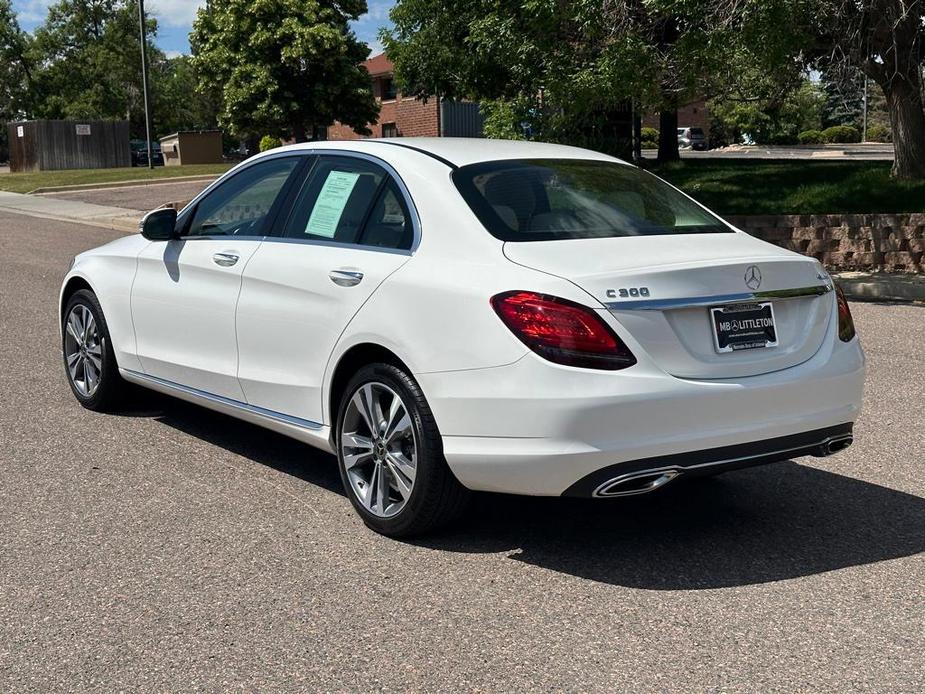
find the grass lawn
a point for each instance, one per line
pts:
(736, 187)
(27, 182)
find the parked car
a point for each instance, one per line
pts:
(692, 138)
(140, 153)
(449, 315)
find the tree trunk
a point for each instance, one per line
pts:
(668, 135)
(907, 117)
(299, 133)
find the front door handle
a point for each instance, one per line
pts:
(346, 278)
(226, 259)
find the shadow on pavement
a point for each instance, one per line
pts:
(752, 526)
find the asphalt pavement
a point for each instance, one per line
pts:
(173, 549)
(145, 198)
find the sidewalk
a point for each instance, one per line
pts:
(116, 218)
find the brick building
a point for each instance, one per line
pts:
(401, 116)
(693, 115)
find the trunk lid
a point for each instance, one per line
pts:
(661, 290)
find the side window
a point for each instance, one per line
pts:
(239, 207)
(389, 224)
(334, 202)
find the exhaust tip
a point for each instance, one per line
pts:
(834, 445)
(636, 483)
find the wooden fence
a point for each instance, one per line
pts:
(51, 145)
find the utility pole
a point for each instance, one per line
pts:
(144, 80)
(864, 134)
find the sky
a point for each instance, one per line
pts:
(175, 20)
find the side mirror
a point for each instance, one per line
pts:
(160, 225)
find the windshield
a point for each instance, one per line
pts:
(549, 199)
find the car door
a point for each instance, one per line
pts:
(350, 228)
(185, 290)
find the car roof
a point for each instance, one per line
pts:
(460, 151)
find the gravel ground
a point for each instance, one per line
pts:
(142, 198)
(172, 549)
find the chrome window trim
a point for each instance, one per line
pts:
(744, 297)
(227, 402)
(335, 244)
(321, 151)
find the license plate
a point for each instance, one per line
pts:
(743, 326)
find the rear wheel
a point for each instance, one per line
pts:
(89, 360)
(391, 456)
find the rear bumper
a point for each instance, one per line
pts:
(540, 429)
(639, 476)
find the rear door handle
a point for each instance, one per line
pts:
(346, 278)
(225, 259)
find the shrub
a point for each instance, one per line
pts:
(842, 134)
(879, 133)
(269, 142)
(649, 138)
(811, 137)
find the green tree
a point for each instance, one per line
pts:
(776, 118)
(15, 72)
(284, 66)
(843, 86)
(181, 104)
(570, 69)
(884, 39)
(89, 55)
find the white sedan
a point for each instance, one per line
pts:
(448, 315)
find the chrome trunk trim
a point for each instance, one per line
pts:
(717, 299)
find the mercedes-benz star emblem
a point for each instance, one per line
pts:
(753, 277)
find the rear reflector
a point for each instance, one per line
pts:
(846, 331)
(562, 331)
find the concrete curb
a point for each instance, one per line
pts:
(122, 184)
(869, 286)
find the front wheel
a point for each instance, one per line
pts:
(89, 360)
(390, 455)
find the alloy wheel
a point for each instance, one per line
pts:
(83, 350)
(378, 449)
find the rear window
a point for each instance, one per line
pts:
(549, 199)
(697, 132)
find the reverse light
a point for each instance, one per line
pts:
(562, 331)
(846, 331)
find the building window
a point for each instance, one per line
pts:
(389, 130)
(387, 89)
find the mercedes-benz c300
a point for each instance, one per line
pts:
(450, 315)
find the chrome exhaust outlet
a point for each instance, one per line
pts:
(834, 445)
(636, 483)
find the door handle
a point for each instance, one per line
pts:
(225, 259)
(346, 278)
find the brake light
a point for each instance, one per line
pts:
(562, 331)
(846, 331)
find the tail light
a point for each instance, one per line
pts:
(562, 331)
(846, 331)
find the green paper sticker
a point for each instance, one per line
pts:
(329, 207)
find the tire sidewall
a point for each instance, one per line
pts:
(429, 451)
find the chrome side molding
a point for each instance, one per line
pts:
(206, 397)
(744, 297)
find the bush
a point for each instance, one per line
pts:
(649, 138)
(269, 142)
(879, 133)
(811, 137)
(841, 134)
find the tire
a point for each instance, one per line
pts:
(108, 390)
(436, 497)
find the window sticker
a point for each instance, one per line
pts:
(329, 207)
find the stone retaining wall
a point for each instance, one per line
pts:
(861, 242)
